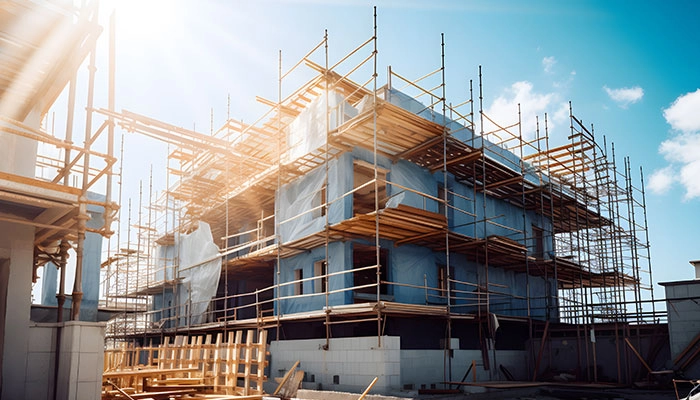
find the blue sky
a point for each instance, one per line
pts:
(629, 67)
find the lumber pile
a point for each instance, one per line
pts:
(225, 365)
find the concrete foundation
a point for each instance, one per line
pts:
(349, 364)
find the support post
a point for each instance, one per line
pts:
(77, 295)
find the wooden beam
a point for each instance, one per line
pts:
(539, 354)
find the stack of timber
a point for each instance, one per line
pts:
(231, 368)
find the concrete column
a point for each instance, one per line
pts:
(17, 244)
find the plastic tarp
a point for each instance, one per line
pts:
(200, 269)
(338, 253)
(308, 130)
(165, 256)
(411, 176)
(503, 156)
(412, 265)
(295, 202)
(408, 103)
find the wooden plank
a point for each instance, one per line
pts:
(369, 387)
(541, 351)
(289, 388)
(162, 394)
(216, 370)
(261, 361)
(285, 378)
(636, 353)
(247, 361)
(685, 351)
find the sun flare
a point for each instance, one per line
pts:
(145, 20)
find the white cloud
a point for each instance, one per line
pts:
(661, 180)
(504, 109)
(683, 114)
(682, 151)
(548, 63)
(625, 96)
(561, 114)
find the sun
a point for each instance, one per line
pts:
(145, 20)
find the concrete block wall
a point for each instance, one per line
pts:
(349, 364)
(81, 361)
(683, 319)
(40, 361)
(425, 368)
(683, 315)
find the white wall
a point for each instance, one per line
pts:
(39, 379)
(81, 361)
(683, 318)
(16, 243)
(356, 361)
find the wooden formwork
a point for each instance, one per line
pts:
(221, 364)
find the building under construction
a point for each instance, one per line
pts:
(381, 229)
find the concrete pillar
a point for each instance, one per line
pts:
(81, 361)
(17, 244)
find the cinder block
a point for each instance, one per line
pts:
(41, 338)
(67, 338)
(680, 291)
(87, 390)
(73, 335)
(32, 390)
(694, 290)
(38, 366)
(394, 356)
(88, 367)
(393, 368)
(91, 339)
(394, 382)
(392, 342)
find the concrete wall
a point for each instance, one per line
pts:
(40, 361)
(683, 319)
(81, 361)
(427, 368)
(16, 244)
(567, 355)
(354, 362)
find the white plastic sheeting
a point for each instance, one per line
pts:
(165, 258)
(297, 201)
(416, 178)
(200, 269)
(308, 131)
